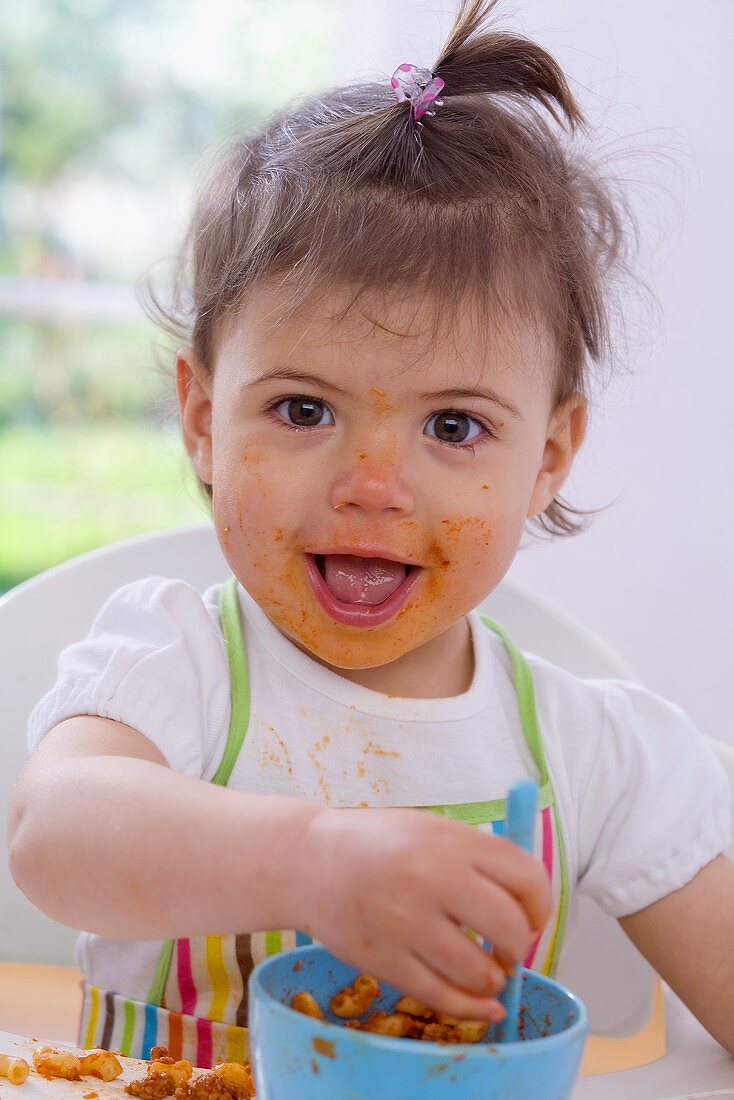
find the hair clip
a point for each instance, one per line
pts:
(420, 87)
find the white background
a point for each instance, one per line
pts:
(652, 576)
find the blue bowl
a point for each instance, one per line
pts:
(296, 1057)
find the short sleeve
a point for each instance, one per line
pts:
(154, 659)
(656, 807)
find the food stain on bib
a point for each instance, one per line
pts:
(284, 747)
(320, 777)
(267, 757)
(378, 751)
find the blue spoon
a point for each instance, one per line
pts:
(522, 806)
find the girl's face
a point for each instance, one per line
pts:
(370, 484)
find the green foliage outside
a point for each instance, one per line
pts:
(89, 445)
(109, 110)
(81, 490)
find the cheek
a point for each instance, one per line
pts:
(470, 557)
(251, 503)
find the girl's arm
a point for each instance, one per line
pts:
(105, 837)
(688, 937)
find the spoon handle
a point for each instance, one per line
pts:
(522, 806)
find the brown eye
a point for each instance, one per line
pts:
(305, 412)
(451, 427)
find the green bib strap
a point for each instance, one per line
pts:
(525, 693)
(481, 813)
(238, 678)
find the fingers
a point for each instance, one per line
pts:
(496, 915)
(519, 873)
(423, 982)
(458, 959)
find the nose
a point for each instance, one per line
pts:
(372, 483)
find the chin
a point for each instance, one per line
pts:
(353, 651)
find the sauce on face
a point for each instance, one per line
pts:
(451, 559)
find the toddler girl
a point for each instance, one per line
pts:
(391, 296)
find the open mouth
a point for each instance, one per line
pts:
(361, 590)
(353, 579)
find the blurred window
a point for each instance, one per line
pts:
(107, 108)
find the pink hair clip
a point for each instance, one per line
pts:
(420, 87)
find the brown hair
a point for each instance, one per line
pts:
(488, 197)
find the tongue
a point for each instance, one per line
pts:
(362, 580)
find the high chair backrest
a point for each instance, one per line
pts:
(57, 607)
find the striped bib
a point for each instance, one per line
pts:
(197, 1000)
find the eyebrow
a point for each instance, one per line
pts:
(293, 375)
(487, 394)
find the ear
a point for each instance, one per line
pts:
(195, 409)
(566, 431)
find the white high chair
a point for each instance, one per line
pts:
(55, 608)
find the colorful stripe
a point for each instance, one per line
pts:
(218, 978)
(92, 1019)
(109, 1021)
(235, 1045)
(243, 953)
(127, 1035)
(150, 1034)
(203, 1042)
(134, 1027)
(551, 963)
(233, 978)
(273, 943)
(186, 987)
(175, 1035)
(547, 855)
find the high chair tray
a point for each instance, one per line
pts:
(38, 1088)
(696, 1067)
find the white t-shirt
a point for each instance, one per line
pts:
(643, 802)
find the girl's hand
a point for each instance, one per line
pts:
(390, 892)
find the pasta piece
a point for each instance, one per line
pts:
(15, 1069)
(179, 1071)
(56, 1063)
(355, 999)
(471, 1031)
(236, 1077)
(100, 1063)
(414, 1008)
(398, 1026)
(304, 1003)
